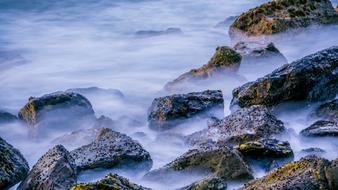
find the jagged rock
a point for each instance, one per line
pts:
(97, 92)
(111, 181)
(328, 111)
(281, 15)
(13, 166)
(56, 107)
(169, 111)
(55, 170)
(241, 126)
(312, 78)
(209, 183)
(307, 174)
(6, 117)
(321, 128)
(151, 33)
(111, 149)
(215, 158)
(224, 63)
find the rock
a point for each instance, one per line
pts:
(217, 159)
(104, 122)
(56, 107)
(111, 149)
(312, 78)
(209, 183)
(6, 117)
(97, 92)
(111, 181)
(328, 111)
(241, 126)
(151, 33)
(306, 174)
(169, 111)
(226, 22)
(224, 63)
(312, 151)
(331, 173)
(55, 170)
(13, 166)
(321, 128)
(281, 15)
(266, 148)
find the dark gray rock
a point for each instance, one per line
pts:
(327, 111)
(169, 111)
(312, 78)
(312, 151)
(209, 183)
(281, 15)
(241, 126)
(56, 108)
(321, 128)
(151, 33)
(97, 92)
(111, 181)
(111, 149)
(6, 117)
(13, 166)
(54, 171)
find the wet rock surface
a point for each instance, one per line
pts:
(111, 149)
(209, 183)
(54, 170)
(312, 78)
(321, 128)
(241, 126)
(6, 117)
(56, 107)
(281, 15)
(215, 158)
(169, 111)
(111, 181)
(224, 63)
(13, 166)
(327, 111)
(310, 173)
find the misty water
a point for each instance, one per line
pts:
(71, 44)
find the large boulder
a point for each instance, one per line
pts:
(13, 166)
(6, 117)
(310, 173)
(321, 128)
(327, 111)
(210, 158)
(241, 126)
(55, 108)
(311, 78)
(224, 63)
(111, 181)
(169, 111)
(209, 183)
(111, 149)
(281, 15)
(55, 170)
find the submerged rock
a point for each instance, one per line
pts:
(111, 181)
(56, 107)
(312, 78)
(241, 126)
(224, 63)
(169, 111)
(217, 159)
(309, 173)
(55, 170)
(6, 117)
(281, 15)
(321, 128)
(312, 151)
(328, 111)
(209, 183)
(111, 149)
(97, 92)
(226, 22)
(13, 166)
(151, 33)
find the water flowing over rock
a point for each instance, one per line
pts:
(224, 63)
(6, 117)
(209, 183)
(281, 15)
(321, 128)
(169, 111)
(312, 78)
(13, 166)
(327, 111)
(96, 91)
(241, 126)
(310, 173)
(56, 107)
(111, 181)
(215, 158)
(111, 149)
(55, 170)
